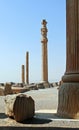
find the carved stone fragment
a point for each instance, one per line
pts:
(19, 106)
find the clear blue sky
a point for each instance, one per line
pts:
(20, 24)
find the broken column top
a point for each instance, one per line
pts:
(44, 22)
(44, 32)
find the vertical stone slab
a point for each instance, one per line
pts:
(23, 74)
(44, 52)
(27, 67)
(68, 100)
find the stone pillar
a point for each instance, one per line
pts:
(27, 67)
(44, 52)
(23, 74)
(68, 100)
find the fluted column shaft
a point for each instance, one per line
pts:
(72, 36)
(72, 43)
(68, 97)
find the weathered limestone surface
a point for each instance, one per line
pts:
(68, 104)
(19, 106)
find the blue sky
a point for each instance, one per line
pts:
(20, 24)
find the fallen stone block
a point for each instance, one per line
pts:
(33, 86)
(19, 107)
(40, 86)
(17, 90)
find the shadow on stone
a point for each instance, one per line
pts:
(47, 115)
(36, 121)
(2, 116)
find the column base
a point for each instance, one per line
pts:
(68, 100)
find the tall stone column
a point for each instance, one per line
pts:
(23, 74)
(27, 67)
(68, 100)
(44, 52)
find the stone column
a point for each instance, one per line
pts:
(23, 74)
(68, 100)
(44, 52)
(27, 67)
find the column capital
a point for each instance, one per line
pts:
(44, 32)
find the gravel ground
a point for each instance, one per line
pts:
(46, 101)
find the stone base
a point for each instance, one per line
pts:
(68, 100)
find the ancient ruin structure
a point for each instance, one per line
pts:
(23, 74)
(19, 107)
(27, 67)
(8, 89)
(44, 52)
(68, 104)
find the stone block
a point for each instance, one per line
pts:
(19, 107)
(7, 89)
(40, 86)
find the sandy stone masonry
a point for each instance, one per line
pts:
(68, 104)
